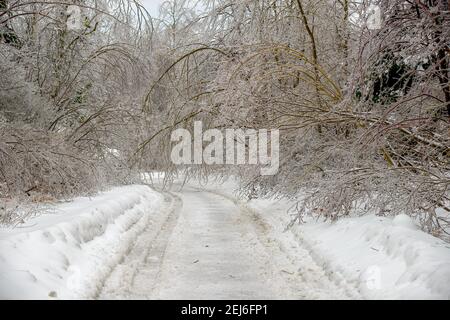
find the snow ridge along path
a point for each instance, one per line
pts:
(201, 242)
(69, 252)
(211, 247)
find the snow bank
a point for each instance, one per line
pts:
(387, 258)
(68, 254)
(384, 258)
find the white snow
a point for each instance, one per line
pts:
(212, 248)
(69, 253)
(379, 257)
(390, 258)
(202, 242)
(384, 257)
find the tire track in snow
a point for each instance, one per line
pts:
(212, 254)
(299, 267)
(208, 245)
(144, 258)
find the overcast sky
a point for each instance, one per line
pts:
(152, 6)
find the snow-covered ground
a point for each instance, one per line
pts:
(69, 252)
(213, 248)
(201, 242)
(379, 257)
(384, 258)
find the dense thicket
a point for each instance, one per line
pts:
(362, 101)
(69, 96)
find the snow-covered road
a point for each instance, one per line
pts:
(211, 247)
(202, 242)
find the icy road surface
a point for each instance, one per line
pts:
(211, 247)
(201, 242)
